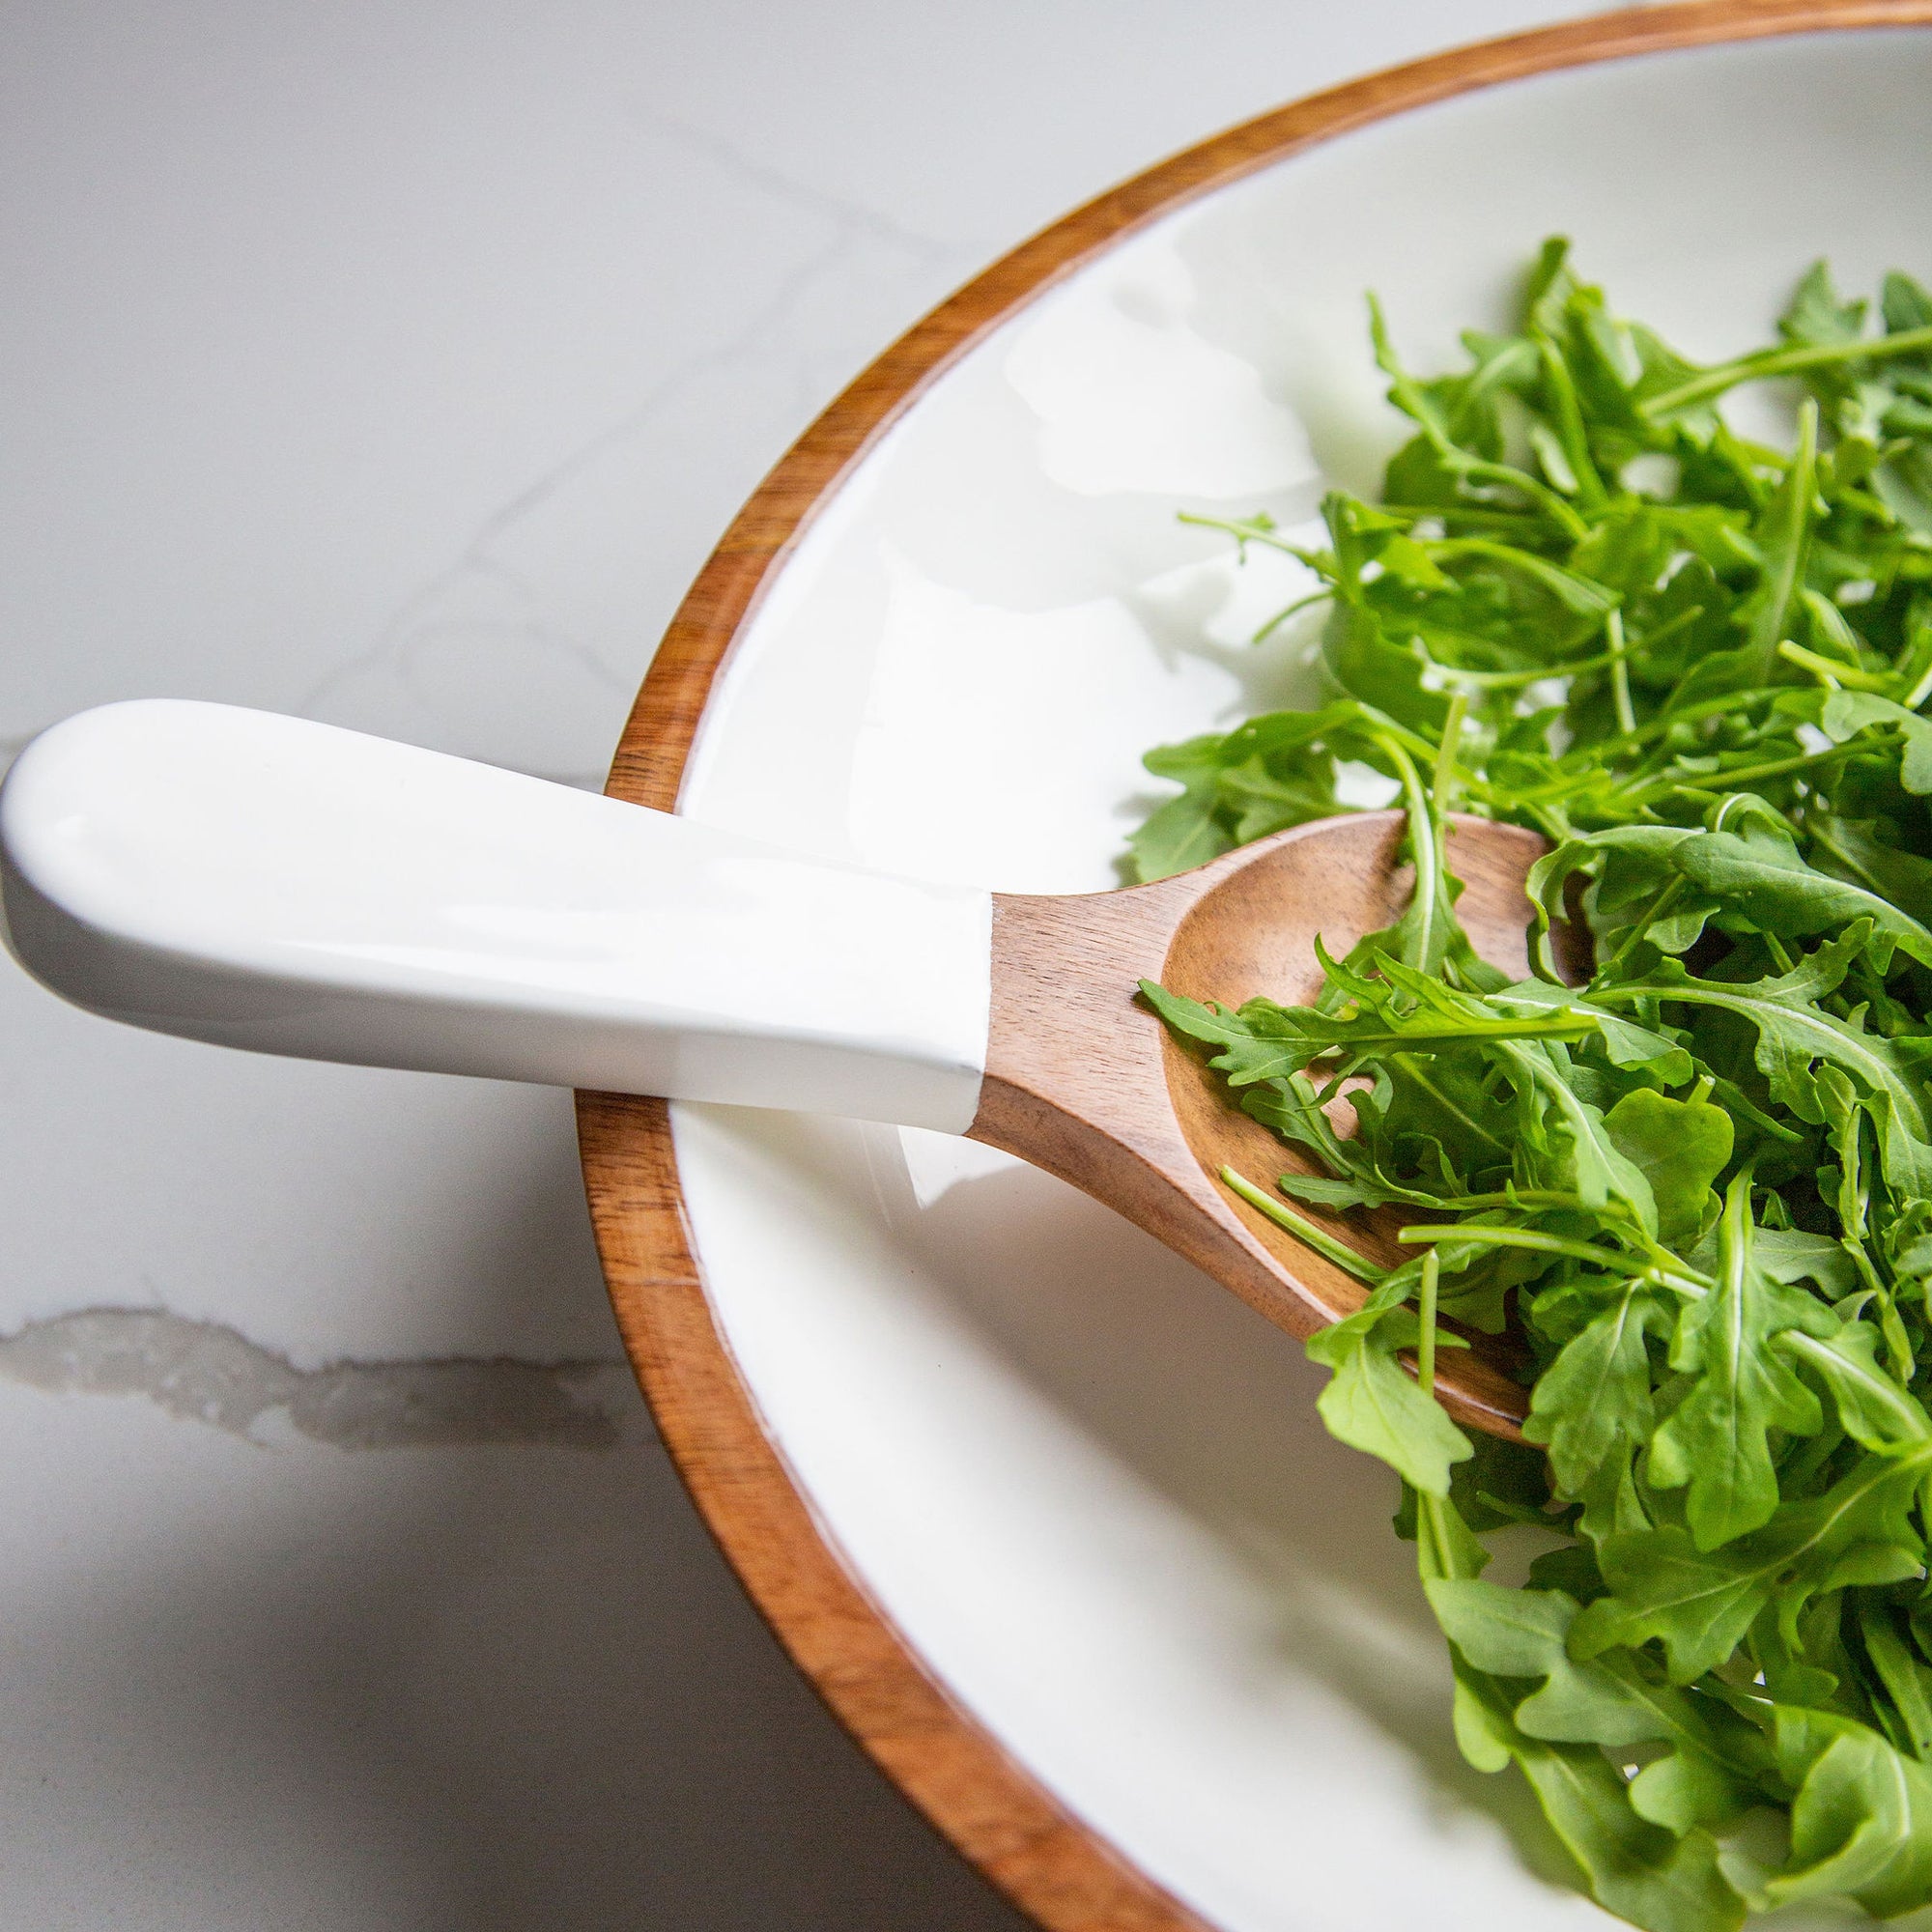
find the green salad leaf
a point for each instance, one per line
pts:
(1697, 1189)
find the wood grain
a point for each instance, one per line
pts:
(1049, 1863)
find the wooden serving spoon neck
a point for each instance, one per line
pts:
(1083, 1080)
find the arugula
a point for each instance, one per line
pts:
(1697, 1189)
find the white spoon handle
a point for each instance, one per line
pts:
(266, 882)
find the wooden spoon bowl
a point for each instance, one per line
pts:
(1083, 1081)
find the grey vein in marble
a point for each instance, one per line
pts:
(206, 1372)
(482, 597)
(765, 179)
(481, 563)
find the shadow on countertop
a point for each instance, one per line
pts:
(456, 1687)
(517, 1692)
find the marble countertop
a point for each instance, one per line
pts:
(398, 366)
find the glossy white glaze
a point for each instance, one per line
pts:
(269, 882)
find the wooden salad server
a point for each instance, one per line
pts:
(271, 883)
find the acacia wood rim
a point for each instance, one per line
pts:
(1049, 1863)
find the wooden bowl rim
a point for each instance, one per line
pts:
(1052, 1865)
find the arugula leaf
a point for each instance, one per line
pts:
(1717, 1439)
(1762, 875)
(1858, 851)
(1710, 1774)
(1796, 1034)
(1701, 1602)
(1594, 1403)
(1873, 1409)
(1681, 1148)
(1372, 1404)
(1862, 1822)
(1184, 832)
(1907, 1713)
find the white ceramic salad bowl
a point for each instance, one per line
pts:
(1047, 1517)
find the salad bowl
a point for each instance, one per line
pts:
(1049, 1521)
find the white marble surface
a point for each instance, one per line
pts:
(397, 367)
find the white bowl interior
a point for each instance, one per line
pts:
(1087, 1486)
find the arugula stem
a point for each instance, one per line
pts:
(1580, 1025)
(1425, 850)
(1530, 1198)
(1776, 768)
(1425, 1312)
(1252, 530)
(1517, 680)
(1832, 672)
(1324, 1243)
(1288, 610)
(1443, 782)
(1620, 689)
(1768, 363)
(1730, 705)
(1490, 517)
(1524, 1238)
(1787, 543)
